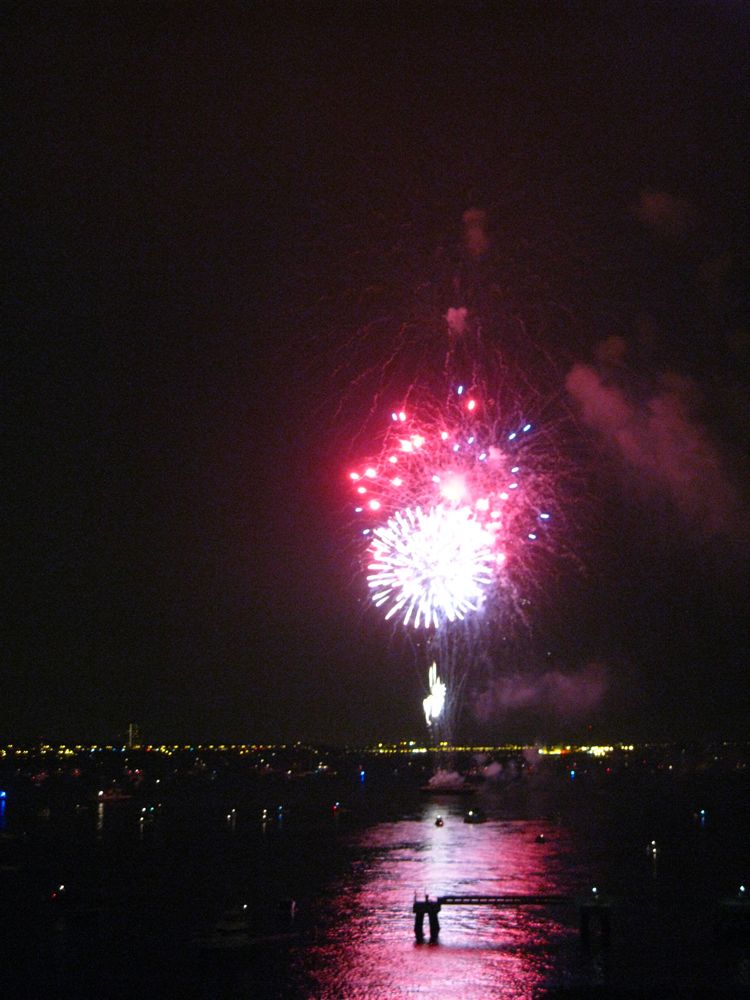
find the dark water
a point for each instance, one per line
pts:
(138, 894)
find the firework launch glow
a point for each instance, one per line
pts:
(434, 703)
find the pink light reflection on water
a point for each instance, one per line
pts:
(369, 951)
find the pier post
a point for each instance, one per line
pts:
(431, 907)
(432, 913)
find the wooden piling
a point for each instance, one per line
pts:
(431, 907)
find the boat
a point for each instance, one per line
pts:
(445, 782)
(440, 790)
(233, 935)
(475, 816)
(114, 794)
(230, 932)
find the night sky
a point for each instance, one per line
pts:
(219, 215)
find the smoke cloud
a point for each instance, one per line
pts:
(663, 213)
(662, 439)
(457, 320)
(475, 232)
(560, 694)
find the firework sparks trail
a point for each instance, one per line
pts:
(486, 292)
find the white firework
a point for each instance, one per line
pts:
(434, 703)
(431, 566)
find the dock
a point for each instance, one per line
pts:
(594, 912)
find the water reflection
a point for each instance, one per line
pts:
(369, 950)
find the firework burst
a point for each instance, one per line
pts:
(431, 566)
(456, 508)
